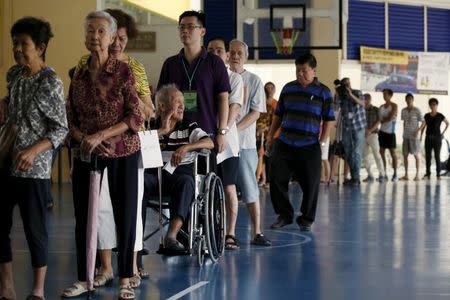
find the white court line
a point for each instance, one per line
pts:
(188, 290)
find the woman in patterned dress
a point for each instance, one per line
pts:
(104, 118)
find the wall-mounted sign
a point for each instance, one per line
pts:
(145, 41)
(404, 71)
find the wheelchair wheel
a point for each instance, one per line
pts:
(214, 216)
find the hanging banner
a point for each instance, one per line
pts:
(404, 72)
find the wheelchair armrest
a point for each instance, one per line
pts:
(204, 152)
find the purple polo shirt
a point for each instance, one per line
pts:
(210, 79)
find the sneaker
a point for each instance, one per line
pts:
(304, 225)
(394, 178)
(369, 179)
(261, 240)
(280, 222)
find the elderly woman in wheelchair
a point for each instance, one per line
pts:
(178, 137)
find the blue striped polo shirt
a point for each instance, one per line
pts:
(301, 110)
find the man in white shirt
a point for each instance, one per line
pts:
(228, 168)
(254, 104)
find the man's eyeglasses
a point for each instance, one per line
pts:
(189, 27)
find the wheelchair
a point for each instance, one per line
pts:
(204, 234)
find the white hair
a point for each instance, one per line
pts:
(163, 95)
(100, 14)
(242, 43)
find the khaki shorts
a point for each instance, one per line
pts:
(411, 146)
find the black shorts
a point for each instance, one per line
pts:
(387, 140)
(228, 170)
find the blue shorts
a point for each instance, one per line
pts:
(248, 161)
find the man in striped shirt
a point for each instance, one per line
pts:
(303, 105)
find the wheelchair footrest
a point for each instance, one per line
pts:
(168, 252)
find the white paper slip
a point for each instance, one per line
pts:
(150, 149)
(169, 167)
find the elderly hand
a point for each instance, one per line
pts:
(3, 111)
(104, 148)
(165, 123)
(221, 143)
(91, 142)
(24, 159)
(178, 155)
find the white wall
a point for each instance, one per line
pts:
(167, 44)
(279, 74)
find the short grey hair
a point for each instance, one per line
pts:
(242, 43)
(100, 14)
(163, 95)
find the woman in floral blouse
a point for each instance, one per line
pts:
(104, 118)
(35, 103)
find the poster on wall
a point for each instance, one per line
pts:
(404, 71)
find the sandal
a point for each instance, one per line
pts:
(135, 281)
(103, 279)
(126, 292)
(77, 289)
(143, 274)
(231, 242)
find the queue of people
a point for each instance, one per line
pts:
(200, 104)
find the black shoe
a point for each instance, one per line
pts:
(173, 246)
(144, 251)
(261, 240)
(304, 225)
(356, 182)
(280, 222)
(347, 182)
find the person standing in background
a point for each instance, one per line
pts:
(412, 118)
(386, 135)
(433, 136)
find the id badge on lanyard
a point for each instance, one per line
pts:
(190, 100)
(190, 96)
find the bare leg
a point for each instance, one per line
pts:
(255, 216)
(6, 281)
(231, 204)
(135, 267)
(263, 173)
(417, 167)
(405, 162)
(327, 170)
(105, 258)
(394, 160)
(383, 157)
(38, 281)
(174, 226)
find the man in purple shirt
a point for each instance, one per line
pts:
(201, 76)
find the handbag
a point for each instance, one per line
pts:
(8, 135)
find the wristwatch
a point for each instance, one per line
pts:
(224, 131)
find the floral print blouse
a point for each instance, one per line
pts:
(36, 103)
(111, 99)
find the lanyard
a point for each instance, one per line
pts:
(190, 78)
